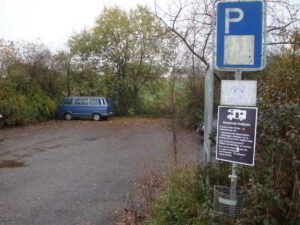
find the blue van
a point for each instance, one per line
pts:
(95, 108)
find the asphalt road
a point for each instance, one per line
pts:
(79, 172)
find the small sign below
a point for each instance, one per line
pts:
(238, 92)
(236, 134)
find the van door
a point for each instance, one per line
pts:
(81, 108)
(66, 106)
(95, 106)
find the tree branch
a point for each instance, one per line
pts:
(283, 43)
(202, 59)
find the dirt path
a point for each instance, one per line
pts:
(78, 172)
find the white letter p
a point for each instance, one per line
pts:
(229, 20)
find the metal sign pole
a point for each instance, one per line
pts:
(233, 176)
(208, 112)
(239, 45)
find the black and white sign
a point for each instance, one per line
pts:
(236, 134)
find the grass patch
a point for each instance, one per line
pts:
(11, 164)
(135, 120)
(185, 198)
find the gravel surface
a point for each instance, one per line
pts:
(79, 172)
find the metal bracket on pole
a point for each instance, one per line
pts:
(238, 75)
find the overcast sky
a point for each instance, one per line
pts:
(52, 21)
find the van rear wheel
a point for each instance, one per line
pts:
(68, 116)
(96, 117)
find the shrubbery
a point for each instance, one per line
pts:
(273, 184)
(30, 85)
(183, 200)
(18, 109)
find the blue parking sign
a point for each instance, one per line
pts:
(239, 36)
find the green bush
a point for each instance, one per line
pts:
(186, 199)
(273, 184)
(183, 201)
(30, 83)
(21, 109)
(153, 102)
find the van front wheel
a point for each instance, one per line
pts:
(96, 117)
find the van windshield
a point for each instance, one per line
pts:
(67, 101)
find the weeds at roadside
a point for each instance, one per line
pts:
(11, 164)
(139, 201)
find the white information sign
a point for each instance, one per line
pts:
(238, 92)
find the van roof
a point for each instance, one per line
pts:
(85, 97)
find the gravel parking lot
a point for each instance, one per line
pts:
(78, 172)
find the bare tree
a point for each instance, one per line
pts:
(192, 22)
(282, 20)
(8, 54)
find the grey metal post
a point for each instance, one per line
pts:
(208, 112)
(238, 75)
(234, 168)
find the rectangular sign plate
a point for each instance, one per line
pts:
(238, 92)
(239, 35)
(236, 134)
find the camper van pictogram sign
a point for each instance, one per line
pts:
(236, 134)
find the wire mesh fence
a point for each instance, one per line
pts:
(228, 200)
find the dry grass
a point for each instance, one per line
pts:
(11, 164)
(134, 120)
(139, 201)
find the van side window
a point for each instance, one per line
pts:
(81, 102)
(67, 101)
(95, 102)
(103, 101)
